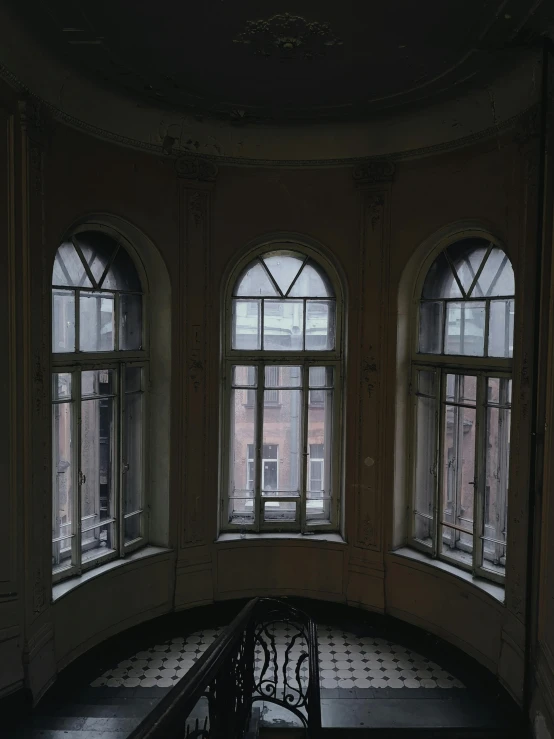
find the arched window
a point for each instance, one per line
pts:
(281, 450)
(100, 370)
(462, 391)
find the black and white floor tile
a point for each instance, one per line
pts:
(345, 661)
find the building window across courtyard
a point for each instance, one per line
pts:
(282, 369)
(99, 377)
(462, 392)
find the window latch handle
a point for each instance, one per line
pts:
(125, 467)
(82, 478)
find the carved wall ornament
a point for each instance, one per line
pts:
(375, 207)
(369, 370)
(196, 369)
(286, 35)
(196, 208)
(196, 168)
(373, 171)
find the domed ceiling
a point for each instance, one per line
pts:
(284, 61)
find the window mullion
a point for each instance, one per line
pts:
(487, 326)
(259, 423)
(479, 477)
(116, 309)
(77, 319)
(120, 435)
(78, 475)
(303, 456)
(459, 446)
(440, 431)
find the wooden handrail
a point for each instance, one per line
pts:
(225, 676)
(166, 720)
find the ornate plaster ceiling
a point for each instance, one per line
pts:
(307, 60)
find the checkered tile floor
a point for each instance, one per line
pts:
(345, 661)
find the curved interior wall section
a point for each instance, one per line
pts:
(200, 222)
(76, 100)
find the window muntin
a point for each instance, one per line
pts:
(461, 417)
(467, 303)
(281, 304)
(98, 384)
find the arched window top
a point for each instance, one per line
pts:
(283, 300)
(470, 269)
(467, 302)
(96, 296)
(283, 274)
(92, 260)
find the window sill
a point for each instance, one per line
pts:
(321, 536)
(67, 586)
(493, 589)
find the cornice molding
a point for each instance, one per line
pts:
(519, 121)
(196, 168)
(373, 172)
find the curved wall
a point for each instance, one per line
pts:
(77, 101)
(372, 225)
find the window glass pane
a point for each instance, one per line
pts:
(244, 376)
(96, 479)
(320, 376)
(320, 325)
(457, 545)
(68, 268)
(458, 469)
(466, 257)
(465, 328)
(130, 321)
(255, 281)
(318, 460)
(97, 382)
(246, 324)
(283, 376)
(97, 542)
(61, 386)
(132, 528)
(311, 283)
(425, 457)
(133, 379)
(62, 473)
(123, 274)
(132, 453)
(496, 474)
(430, 327)
(283, 266)
(281, 429)
(63, 321)
(497, 277)
(501, 328)
(440, 281)
(279, 511)
(96, 328)
(283, 331)
(242, 457)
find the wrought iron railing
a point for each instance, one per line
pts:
(267, 654)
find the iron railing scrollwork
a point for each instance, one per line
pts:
(269, 654)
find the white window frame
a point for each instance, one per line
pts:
(74, 363)
(302, 358)
(443, 364)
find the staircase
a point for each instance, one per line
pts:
(261, 678)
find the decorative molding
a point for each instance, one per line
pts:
(196, 168)
(374, 171)
(61, 116)
(369, 370)
(288, 36)
(375, 204)
(197, 208)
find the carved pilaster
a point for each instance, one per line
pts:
(195, 200)
(373, 178)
